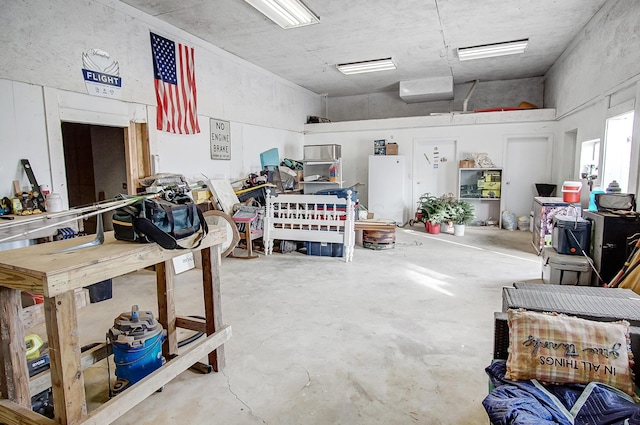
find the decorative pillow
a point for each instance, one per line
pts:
(555, 348)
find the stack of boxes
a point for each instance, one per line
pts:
(382, 147)
(489, 184)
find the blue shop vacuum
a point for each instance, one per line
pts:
(136, 338)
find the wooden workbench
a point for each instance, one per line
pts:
(39, 269)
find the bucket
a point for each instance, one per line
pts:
(53, 202)
(571, 191)
(136, 340)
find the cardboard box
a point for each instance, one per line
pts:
(299, 179)
(467, 163)
(392, 149)
(200, 195)
(491, 176)
(483, 184)
(490, 193)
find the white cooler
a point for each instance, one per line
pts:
(562, 269)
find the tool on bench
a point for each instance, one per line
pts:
(35, 188)
(5, 208)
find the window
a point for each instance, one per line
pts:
(589, 160)
(617, 150)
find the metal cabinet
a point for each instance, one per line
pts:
(611, 235)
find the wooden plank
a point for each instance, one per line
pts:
(22, 280)
(42, 270)
(373, 225)
(166, 307)
(144, 153)
(42, 381)
(67, 381)
(14, 414)
(131, 158)
(34, 314)
(133, 395)
(14, 381)
(212, 302)
(192, 324)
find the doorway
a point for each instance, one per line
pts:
(526, 163)
(95, 164)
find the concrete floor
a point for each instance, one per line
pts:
(398, 336)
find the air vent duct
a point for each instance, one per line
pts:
(427, 89)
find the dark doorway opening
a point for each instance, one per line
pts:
(95, 164)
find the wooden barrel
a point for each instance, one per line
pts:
(379, 239)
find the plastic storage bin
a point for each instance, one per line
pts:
(559, 269)
(570, 235)
(340, 193)
(324, 249)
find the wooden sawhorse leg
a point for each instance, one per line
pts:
(166, 307)
(14, 378)
(212, 303)
(67, 381)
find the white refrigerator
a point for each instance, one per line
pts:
(388, 183)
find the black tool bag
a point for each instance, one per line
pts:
(161, 221)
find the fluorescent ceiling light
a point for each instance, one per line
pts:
(286, 13)
(366, 66)
(492, 50)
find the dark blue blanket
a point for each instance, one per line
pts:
(531, 403)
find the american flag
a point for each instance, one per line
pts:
(175, 81)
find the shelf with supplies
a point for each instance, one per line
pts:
(321, 175)
(482, 186)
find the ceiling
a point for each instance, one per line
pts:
(420, 35)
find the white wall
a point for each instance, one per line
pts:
(482, 132)
(247, 142)
(23, 135)
(599, 72)
(601, 60)
(41, 84)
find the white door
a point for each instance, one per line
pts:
(526, 163)
(435, 168)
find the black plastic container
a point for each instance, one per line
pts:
(100, 291)
(545, 190)
(571, 235)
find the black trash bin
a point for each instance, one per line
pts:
(546, 190)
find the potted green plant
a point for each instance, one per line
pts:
(449, 200)
(461, 213)
(433, 211)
